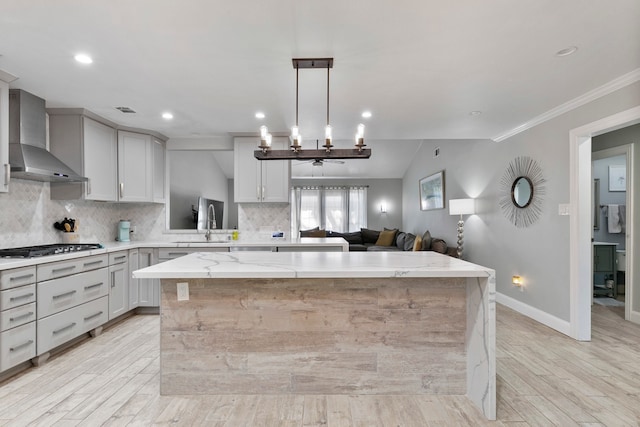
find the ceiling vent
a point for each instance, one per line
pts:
(125, 110)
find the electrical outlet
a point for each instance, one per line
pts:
(183, 291)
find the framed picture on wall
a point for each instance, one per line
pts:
(617, 178)
(432, 191)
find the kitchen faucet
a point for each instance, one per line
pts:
(211, 222)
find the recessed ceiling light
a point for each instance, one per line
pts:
(366, 114)
(475, 113)
(83, 59)
(567, 51)
(167, 116)
(260, 115)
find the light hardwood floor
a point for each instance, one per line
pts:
(544, 379)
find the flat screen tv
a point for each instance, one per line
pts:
(203, 207)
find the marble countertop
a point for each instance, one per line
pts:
(8, 263)
(312, 265)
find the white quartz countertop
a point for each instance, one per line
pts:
(312, 265)
(8, 263)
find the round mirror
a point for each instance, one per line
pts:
(522, 192)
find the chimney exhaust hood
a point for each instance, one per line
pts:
(28, 153)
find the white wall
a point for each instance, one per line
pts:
(194, 174)
(539, 253)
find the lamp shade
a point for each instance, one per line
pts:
(462, 206)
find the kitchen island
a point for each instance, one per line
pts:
(327, 323)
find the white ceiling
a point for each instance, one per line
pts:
(419, 66)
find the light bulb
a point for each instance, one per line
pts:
(268, 139)
(295, 132)
(361, 130)
(327, 132)
(263, 132)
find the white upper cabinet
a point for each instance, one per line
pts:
(135, 170)
(158, 165)
(89, 148)
(4, 135)
(260, 181)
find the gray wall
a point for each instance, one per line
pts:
(387, 190)
(539, 253)
(601, 172)
(194, 174)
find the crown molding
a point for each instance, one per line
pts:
(592, 95)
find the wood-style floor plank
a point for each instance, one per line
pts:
(544, 379)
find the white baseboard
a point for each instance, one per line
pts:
(536, 314)
(634, 317)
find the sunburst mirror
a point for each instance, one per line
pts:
(522, 188)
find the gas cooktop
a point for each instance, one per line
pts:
(43, 250)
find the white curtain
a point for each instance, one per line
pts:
(340, 209)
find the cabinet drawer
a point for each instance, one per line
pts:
(16, 297)
(17, 316)
(54, 270)
(17, 277)
(17, 345)
(61, 327)
(118, 257)
(60, 294)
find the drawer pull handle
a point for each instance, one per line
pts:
(178, 253)
(92, 316)
(23, 345)
(87, 264)
(66, 294)
(22, 316)
(58, 270)
(57, 331)
(24, 276)
(86, 288)
(119, 257)
(121, 190)
(29, 295)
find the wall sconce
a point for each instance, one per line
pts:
(518, 281)
(461, 207)
(383, 207)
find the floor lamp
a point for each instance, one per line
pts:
(461, 207)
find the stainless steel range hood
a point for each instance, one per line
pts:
(28, 153)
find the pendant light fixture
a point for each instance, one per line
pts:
(296, 152)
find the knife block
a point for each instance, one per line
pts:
(70, 237)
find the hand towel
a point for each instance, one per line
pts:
(613, 219)
(622, 213)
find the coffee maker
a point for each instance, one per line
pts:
(124, 228)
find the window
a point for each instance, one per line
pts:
(340, 209)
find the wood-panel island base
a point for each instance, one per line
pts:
(393, 325)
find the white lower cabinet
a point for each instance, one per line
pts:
(118, 284)
(148, 289)
(72, 299)
(134, 284)
(17, 316)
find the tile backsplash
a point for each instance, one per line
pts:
(27, 215)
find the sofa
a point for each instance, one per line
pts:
(386, 240)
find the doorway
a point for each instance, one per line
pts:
(580, 256)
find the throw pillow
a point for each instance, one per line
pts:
(317, 233)
(354, 238)
(439, 245)
(386, 237)
(417, 244)
(426, 241)
(409, 240)
(369, 236)
(400, 239)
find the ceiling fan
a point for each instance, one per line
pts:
(319, 162)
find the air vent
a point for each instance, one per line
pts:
(125, 110)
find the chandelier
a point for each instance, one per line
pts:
(327, 151)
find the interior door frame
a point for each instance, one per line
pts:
(580, 186)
